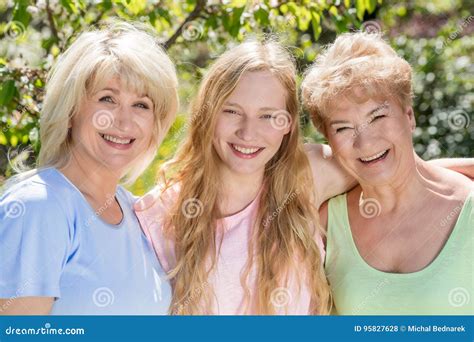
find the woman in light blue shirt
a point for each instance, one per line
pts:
(70, 242)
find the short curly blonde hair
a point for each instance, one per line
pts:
(360, 66)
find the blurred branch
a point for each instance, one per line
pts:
(54, 31)
(200, 5)
(78, 29)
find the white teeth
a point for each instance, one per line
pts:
(245, 150)
(378, 155)
(116, 140)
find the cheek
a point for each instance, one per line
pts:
(146, 126)
(273, 139)
(341, 144)
(223, 130)
(82, 126)
(397, 132)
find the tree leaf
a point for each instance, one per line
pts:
(21, 14)
(371, 5)
(261, 15)
(7, 92)
(316, 24)
(360, 8)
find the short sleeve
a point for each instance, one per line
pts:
(152, 223)
(34, 242)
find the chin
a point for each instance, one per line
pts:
(238, 169)
(116, 164)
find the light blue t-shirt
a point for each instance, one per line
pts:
(53, 244)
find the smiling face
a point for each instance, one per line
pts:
(252, 123)
(112, 127)
(371, 140)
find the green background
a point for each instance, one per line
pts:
(435, 37)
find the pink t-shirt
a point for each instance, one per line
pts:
(225, 278)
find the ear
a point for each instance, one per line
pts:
(411, 117)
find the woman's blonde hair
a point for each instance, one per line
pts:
(282, 244)
(360, 66)
(129, 51)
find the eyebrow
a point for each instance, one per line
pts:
(382, 106)
(116, 91)
(237, 105)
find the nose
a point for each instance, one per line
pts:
(363, 137)
(123, 118)
(246, 130)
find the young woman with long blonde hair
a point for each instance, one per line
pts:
(235, 226)
(233, 220)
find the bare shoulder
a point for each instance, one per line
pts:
(459, 184)
(320, 160)
(317, 153)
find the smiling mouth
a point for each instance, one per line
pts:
(375, 158)
(117, 140)
(246, 152)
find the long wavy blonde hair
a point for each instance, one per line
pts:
(281, 246)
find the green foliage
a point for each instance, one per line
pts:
(34, 33)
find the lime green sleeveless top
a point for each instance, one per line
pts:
(444, 287)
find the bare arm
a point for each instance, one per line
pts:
(26, 306)
(464, 166)
(329, 177)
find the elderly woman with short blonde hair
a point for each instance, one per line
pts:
(401, 242)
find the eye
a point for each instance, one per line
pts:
(376, 117)
(142, 105)
(267, 116)
(341, 129)
(106, 99)
(230, 111)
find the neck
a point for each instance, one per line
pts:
(237, 190)
(412, 185)
(97, 182)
